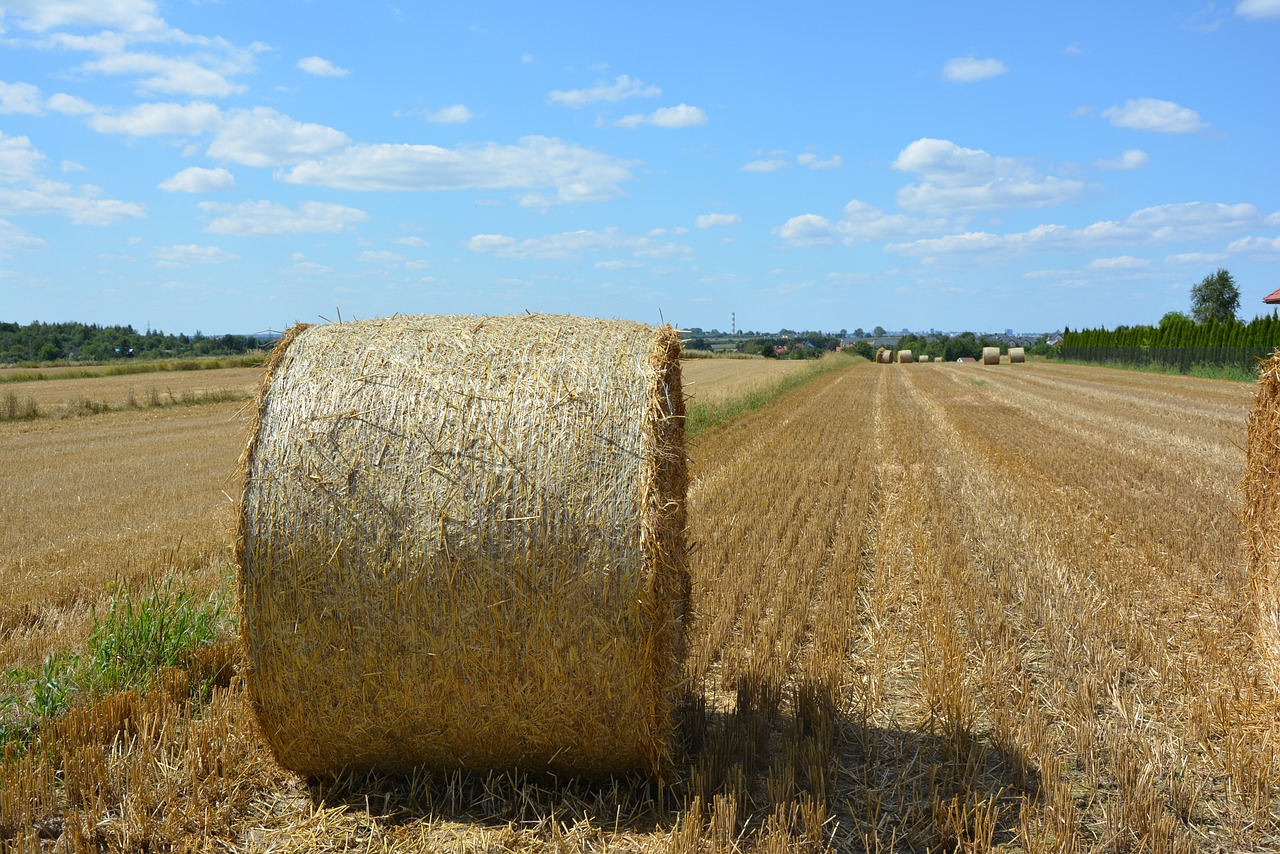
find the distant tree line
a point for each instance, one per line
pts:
(84, 342)
(1178, 341)
(948, 348)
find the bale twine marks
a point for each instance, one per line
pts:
(904, 357)
(1017, 355)
(1262, 508)
(883, 356)
(990, 355)
(461, 545)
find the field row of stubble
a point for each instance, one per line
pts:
(937, 607)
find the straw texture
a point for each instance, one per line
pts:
(461, 544)
(990, 355)
(883, 356)
(1262, 508)
(904, 357)
(1017, 355)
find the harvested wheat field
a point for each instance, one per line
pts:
(912, 632)
(134, 391)
(716, 380)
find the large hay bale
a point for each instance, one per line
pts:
(883, 356)
(1262, 508)
(990, 355)
(1017, 355)
(461, 544)
(923, 359)
(904, 357)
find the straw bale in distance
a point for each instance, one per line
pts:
(904, 357)
(1017, 355)
(461, 545)
(884, 356)
(1262, 508)
(990, 355)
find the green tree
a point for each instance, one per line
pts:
(1215, 298)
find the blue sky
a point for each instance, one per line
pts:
(238, 165)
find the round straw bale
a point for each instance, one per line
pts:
(904, 357)
(1017, 355)
(461, 545)
(923, 359)
(884, 356)
(990, 355)
(1262, 508)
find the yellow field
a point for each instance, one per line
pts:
(940, 607)
(714, 381)
(140, 390)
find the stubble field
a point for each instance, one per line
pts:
(938, 607)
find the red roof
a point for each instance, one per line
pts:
(1272, 298)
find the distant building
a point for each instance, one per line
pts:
(1272, 298)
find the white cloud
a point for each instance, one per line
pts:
(1120, 262)
(70, 105)
(321, 67)
(190, 254)
(265, 219)
(72, 166)
(618, 265)
(379, 256)
(158, 119)
(859, 222)
(19, 98)
(21, 163)
(167, 75)
(41, 15)
(622, 88)
(575, 174)
(717, 219)
(262, 136)
(455, 114)
(1162, 224)
(571, 244)
(1268, 246)
(965, 179)
(1134, 158)
(764, 166)
(1259, 9)
(968, 69)
(411, 240)
(195, 179)
(814, 162)
(680, 116)
(12, 237)
(1197, 258)
(1152, 114)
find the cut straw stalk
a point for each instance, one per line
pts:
(461, 544)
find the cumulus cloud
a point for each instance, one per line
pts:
(25, 190)
(188, 255)
(572, 244)
(42, 15)
(321, 67)
(1265, 246)
(1152, 114)
(262, 136)
(1259, 9)
(20, 98)
(679, 116)
(953, 178)
(772, 165)
(858, 222)
(717, 219)
(1196, 258)
(1120, 262)
(572, 173)
(969, 69)
(455, 114)
(268, 219)
(622, 88)
(160, 119)
(70, 105)
(196, 179)
(815, 162)
(1134, 158)
(168, 74)
(1161, 224)
(12, 237)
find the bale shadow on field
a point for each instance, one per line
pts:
(777, 762)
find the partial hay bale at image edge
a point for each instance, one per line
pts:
(461, 545)
(990, 355)
(1262, 509)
